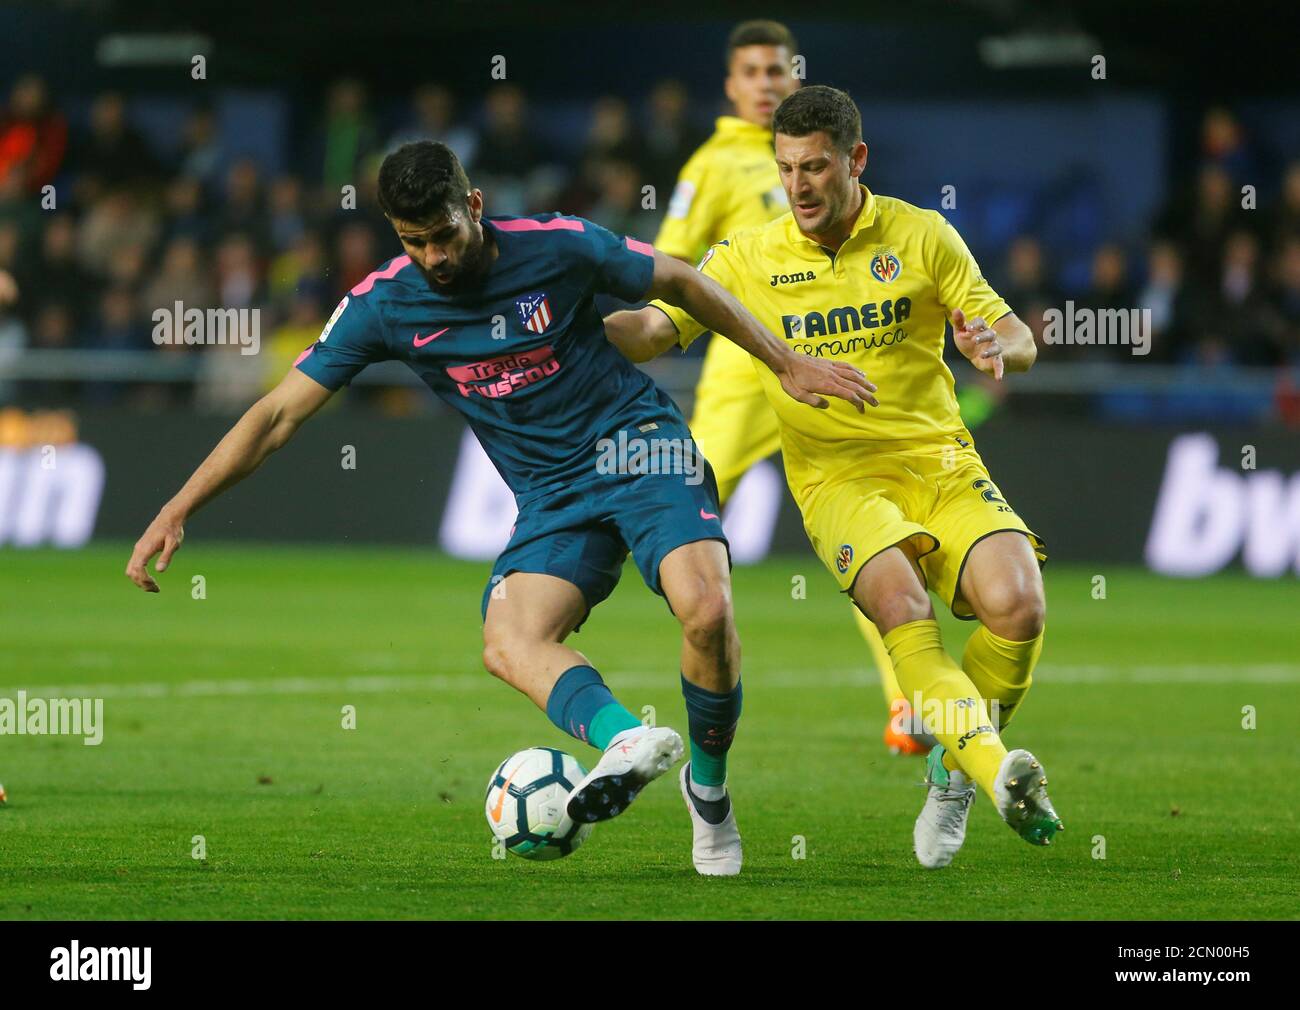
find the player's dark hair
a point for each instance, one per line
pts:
(818, 107)
(421, 181)
(760, 33)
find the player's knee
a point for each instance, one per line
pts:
(501, 655)
(1015, 613)
(706, 618)
(895, 609)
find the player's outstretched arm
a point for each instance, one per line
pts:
(265, 426)
(804, 378)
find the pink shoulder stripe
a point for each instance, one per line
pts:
(636, 245)
(382, 275)
(527, 224)
(303, 356)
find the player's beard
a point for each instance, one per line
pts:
(469, 272)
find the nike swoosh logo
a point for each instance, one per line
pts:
(432, 336)
(505, 791)
(707, 515)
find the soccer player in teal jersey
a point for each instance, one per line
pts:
(497, 317)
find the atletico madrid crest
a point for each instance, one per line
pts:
(534, 312)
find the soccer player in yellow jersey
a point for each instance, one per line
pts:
(896, 501)
(730, 184)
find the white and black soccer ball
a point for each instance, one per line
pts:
(525, 803)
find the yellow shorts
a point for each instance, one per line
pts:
(937, 494)
(733, 424)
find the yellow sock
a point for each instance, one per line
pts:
(884, 665)
(950, 704)
(1002, 670)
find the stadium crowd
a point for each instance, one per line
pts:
(134, 230)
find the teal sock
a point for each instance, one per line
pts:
(582, 706)
(609, 722)
(711, 719)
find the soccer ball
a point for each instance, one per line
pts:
(525, 803)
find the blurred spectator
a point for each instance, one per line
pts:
(120, 326)
(53, 330)
(201, 153)
(1202, 222)
(238, 276)
(302, 327)
(54, 270)
(243, 210)
(610, 136)
(10, 243)
(301, 269)
(1169, 301)
(1027, 289)
(286, 216)
(185, 216)
(1240, 308)
(1026, 274)
(18, 208)
(13, 334)
(1286, 221)
(54, 327)
(33, 135)
(618, 205)
(1286, 299)
(180, 278)
(507, 146)
(354, 252)
(347, 136)
(1109, 289)
(433, 118)
(114, 153)
(670, 138)
(118, 222)
(1223, 142)
(508, 152)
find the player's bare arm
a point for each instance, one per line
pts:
(647, 333)
(266, 426)
(1006, 345)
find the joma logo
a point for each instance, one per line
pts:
(793, 278)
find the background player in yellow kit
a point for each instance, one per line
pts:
(730, 184)
(896, 501)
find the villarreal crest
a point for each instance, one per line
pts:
(885, 267)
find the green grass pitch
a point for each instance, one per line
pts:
(223, 718)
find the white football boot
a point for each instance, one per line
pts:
(1020, 794)
(941, 826)
(633, 759)
(717, 850)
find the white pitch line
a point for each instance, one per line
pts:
(1259, 673)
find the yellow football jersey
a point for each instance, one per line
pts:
(881, 303)
(728, 184)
